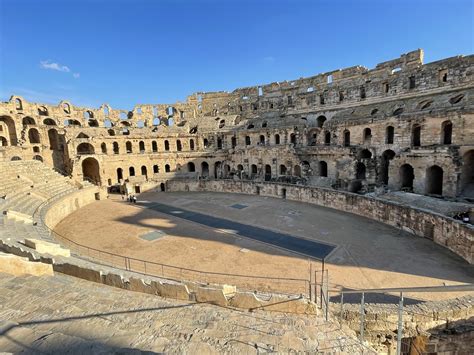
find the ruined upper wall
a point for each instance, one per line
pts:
(402, 77)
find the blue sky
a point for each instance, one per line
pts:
(125, 52)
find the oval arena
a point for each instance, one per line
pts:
(352, 179)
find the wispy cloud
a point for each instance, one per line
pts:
(268, 59)
(49, 65)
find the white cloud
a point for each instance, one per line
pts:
(76, 75)
(47, 64)
(269, 59)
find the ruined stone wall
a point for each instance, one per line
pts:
(403, 125)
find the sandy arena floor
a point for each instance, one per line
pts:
(368, 254)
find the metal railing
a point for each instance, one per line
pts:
(402, 347)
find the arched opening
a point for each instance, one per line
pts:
(36, 149)
(128, 147)
(72, 123)
(389, 135)
(154, 146)
(221, 123)
(119, 175)
(28, 121)
(191, 167)
(253, 171)
(234, 142)
(416, 135)
(167, 168)
(156, 169)
(144, 171)
(38, 157)
(217, 169)
(82, 135)
(434, 180)
(446, 132)
(18, 104)
(297, 170)
(262, 139)
(277, 139)
(367, 136)
(365, 154)
(33, 136)
(42, 111)
(204, 169)
(141, 146)
(179, 147)
(293, 138)
(406, 175)
(90, 170)
(385, 164)
(111, 132)
(320, 121)
(131, 171)
(191, 144)
(167, 145)
(93, 123)
(162, 187)
(116, 148)
(85, 148)
(282, 169)
(53, 139)
(347, 138)
(3, 142)
(15, 158)
(467, 174)
(268, 172)
(103, 148)
(247, 140)
(323, 168)
(49, 122)
(327, 138)
(9, 123)
(219, 143)
(360, 171)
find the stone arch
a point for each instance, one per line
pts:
(49, 122)
(119, 174)
(191, 144)
(131, 171)
(144, 171)
(34, 136)
(28, 121)
(416, 135)
(204, 169)
(406, 176)
(253, 171)
(141, 146)
(277, 139)
(327, 138)
(323, 168)
(93, 123)
(42, 111)
(364, 154)
(360, 171)
(282, 169)
(268, 172)
(156, 169)
(154, 146)
(385, 159)
(434, 180)
(90, 170)
(85, 148)
(297, 170)
(38, 158)
(347, 138)
(9, 123)
(179, 146)
(116, 148)
(367, 136)
(217, 168)
(3, 141)
(53, 139)
(191, 167)
(103, 148)
(446, 132)
(167, 145)
(128, 147)
(320, 121)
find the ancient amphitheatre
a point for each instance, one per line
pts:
(245, 197)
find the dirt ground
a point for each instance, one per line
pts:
(368, 254)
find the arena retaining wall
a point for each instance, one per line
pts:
(454, 235)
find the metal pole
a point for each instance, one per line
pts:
(342, 306)
(327, 295)
(362, 316)
(400, 324)
(310, 275)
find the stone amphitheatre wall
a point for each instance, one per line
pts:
(403, 125)
(456, 236)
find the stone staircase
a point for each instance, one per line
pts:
(64, 315)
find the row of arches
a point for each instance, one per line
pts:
(88, 148)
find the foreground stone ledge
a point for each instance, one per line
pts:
(18, 266)
(47, 248)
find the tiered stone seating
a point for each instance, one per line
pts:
(24, 187)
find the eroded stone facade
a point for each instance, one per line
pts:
(403, 125)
